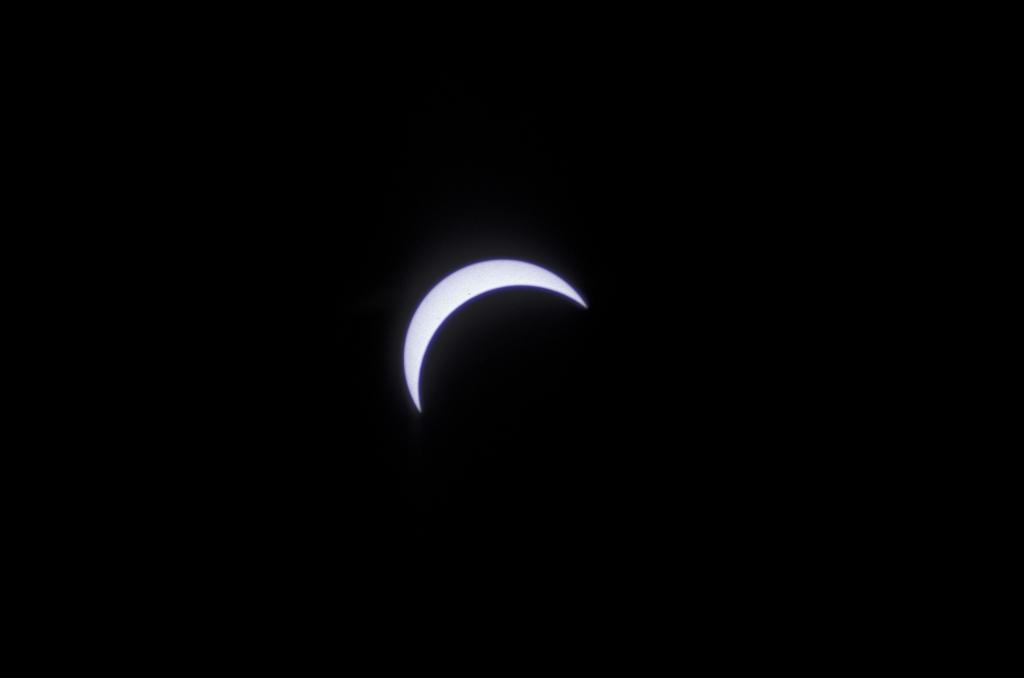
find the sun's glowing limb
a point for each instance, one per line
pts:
(456, 290)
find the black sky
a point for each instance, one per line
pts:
(702, 201)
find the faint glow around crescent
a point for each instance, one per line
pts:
(457, 289)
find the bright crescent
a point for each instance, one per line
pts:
(456, 290)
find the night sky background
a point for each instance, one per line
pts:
(703, 413)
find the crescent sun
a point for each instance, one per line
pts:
(456, 290)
